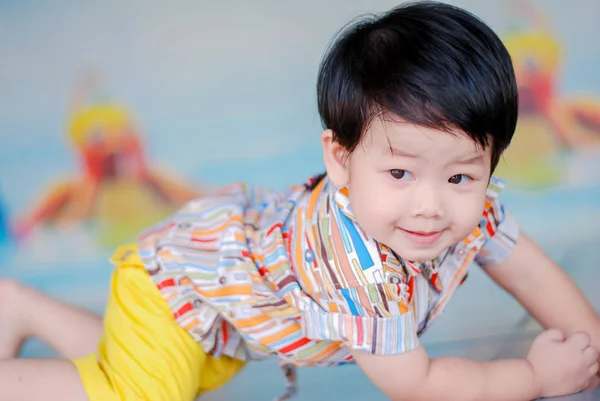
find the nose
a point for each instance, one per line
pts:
(427, 201)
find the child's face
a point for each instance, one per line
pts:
(417, 190)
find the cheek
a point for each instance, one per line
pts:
(371, 209)
(468, 213)
(374, 207)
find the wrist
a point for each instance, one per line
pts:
(536, 389)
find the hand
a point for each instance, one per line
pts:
(563, 366)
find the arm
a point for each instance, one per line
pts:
(557, 364)
(554, 366)
(413, 376)
(545, 290)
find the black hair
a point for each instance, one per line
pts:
(430, 63)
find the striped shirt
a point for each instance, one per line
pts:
(252, 274)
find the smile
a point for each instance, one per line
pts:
(421, 237)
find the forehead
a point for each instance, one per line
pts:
(395, 135)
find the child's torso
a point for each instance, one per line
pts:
(244, 271)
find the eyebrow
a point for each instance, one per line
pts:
(467, 161)
(397, 152)
(471, 160)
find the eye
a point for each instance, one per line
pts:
(460, 179)
(400, 175)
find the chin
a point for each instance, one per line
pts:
(419, 255)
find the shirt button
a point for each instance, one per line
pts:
(222, 280)
(232, 314)
(309, 255)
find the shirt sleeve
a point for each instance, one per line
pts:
(370, 319)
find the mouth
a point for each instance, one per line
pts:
(423, 237)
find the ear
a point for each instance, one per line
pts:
(335, 157)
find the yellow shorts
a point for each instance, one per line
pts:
(144, 354)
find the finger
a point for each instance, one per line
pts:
(580, 339)
(594, 370)
(593, 383)
(552, 335)
(590, 355)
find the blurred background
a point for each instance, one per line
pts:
(114, 113)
